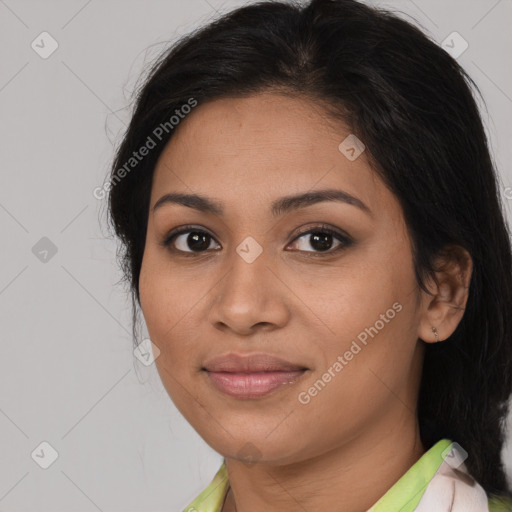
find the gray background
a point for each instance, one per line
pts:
(67, 373)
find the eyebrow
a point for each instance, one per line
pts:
(279, 207)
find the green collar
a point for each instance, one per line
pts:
(403, 496)
(212, 498)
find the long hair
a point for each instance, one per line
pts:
(414, 108)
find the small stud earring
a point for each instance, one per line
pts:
(434, 330)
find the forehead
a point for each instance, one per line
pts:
(262, 146)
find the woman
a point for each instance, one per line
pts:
(312, 228)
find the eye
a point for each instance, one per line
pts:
(196, 241)
(321, 238)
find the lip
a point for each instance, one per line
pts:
(251, 376)
(249, 363)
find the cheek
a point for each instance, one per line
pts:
(365, 369)
(151, 296)
(159, 291)
(371, 318)
(171, 306)
(165, 316)
(159, 299)
(354, 300)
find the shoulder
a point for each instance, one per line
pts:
(454, 489)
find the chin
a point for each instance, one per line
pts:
(258, 448)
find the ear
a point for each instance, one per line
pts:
(445, 307)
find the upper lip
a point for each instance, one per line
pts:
(250, 363)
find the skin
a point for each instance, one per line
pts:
(360, 433)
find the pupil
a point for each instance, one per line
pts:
(198, 241)
(324, 242)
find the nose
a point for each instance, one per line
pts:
(249, 297)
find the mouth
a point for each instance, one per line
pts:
(252, 376)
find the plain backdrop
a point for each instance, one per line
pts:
(68, 375)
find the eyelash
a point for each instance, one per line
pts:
(324, 229)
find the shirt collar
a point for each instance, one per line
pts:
(403, 496)
(407, 492)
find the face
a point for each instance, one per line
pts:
(325, 286)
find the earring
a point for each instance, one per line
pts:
(434, 330)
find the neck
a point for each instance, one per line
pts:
(354, 475)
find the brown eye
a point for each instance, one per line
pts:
(321, 240)
(190, 241)
(195, 241)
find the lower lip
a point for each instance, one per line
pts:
(252, 385)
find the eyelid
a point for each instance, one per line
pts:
(324, 228)
(169, 238)
(179, 230)
(345, 239)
